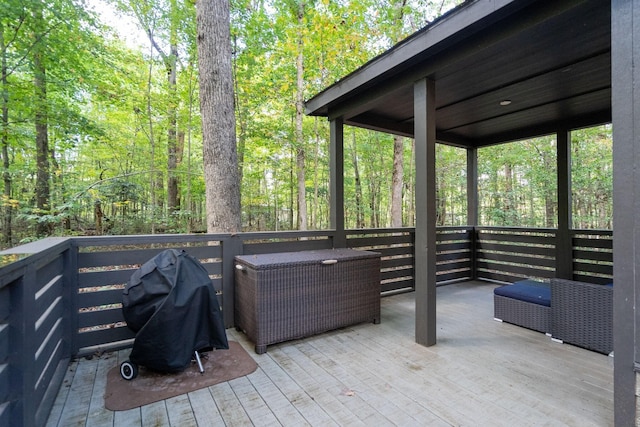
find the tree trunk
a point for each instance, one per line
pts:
(316, 200)
(356, 172)
(6, 176)
(97, 216)
(218, 120)
(188, 202)
(397, 176)
(441, 200)
(397, 181)
(411, 214)
(152, 143)
(173, 200)
(300, 150)
(41, 127)
(509, 207)
(241, 116)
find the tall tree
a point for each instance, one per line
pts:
(4, 140)
(166, 22)
(358, 184)
(299, 137)
(171, 62)
(218, 119)
(397, 181)
(41, 116)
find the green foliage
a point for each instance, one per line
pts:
(517, 181)
(108, 106)
(451, 185)
(592, 178)
(517, 185)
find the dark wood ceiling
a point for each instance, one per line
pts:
(550, 59)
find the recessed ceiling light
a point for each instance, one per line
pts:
(505, 102)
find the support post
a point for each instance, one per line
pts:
(336, 182)
(564, 247)
(625, 97)
(230, 248)
(425, 240)
(472, 203)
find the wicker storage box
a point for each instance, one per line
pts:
(289, 295)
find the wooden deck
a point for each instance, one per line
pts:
(480, 373)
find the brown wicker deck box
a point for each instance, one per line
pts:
(289, 295)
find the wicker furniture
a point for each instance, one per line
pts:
(284, 296)
(582, 314)
(525, 303)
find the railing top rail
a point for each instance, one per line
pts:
(593, 232)
(256, 235)
(455, 227)
(37, 246)
(603, 232)
(516, 229)
(16, 259)
(85, 241)
(380, 230)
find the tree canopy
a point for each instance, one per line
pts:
(101, 132)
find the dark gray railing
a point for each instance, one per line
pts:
(36, 329)
(61, 297)
(592, 255)
(509, 254)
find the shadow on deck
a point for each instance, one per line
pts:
(481, 372)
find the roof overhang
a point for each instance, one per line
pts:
(550, 59)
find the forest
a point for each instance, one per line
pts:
(100, 129)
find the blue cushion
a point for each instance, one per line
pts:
(527, 290)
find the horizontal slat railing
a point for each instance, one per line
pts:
(454, 260)
(511, 254)
(592, 255)
(63, 298)
(106, 264)
(36, 329)
(396, 255)
(454, 254)
(285, 241)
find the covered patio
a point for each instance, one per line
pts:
(498, 71)
(562, 65)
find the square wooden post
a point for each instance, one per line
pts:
(564, 247)
(472, 202)
(625, 98)
(425, 240)
(336, 182)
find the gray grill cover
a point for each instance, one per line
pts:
(172, 306)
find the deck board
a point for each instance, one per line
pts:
(481, 372)
(205, 410)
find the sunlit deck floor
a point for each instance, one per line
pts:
(480, 373)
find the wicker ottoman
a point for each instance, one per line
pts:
(525, 303)
(289, 295)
